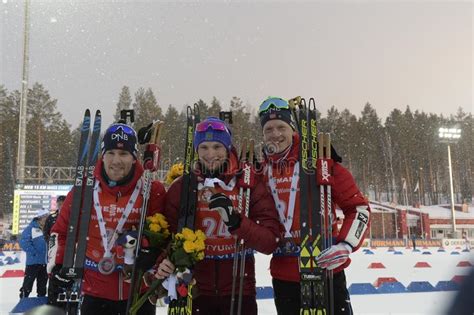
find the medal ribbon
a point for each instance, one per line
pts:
(210, 182)
(287, 220)
(128, 209)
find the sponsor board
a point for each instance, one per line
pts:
(11, 246)
(403, 243)
(456, 242)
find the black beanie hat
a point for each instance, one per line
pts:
(120, 136)
(277, 113)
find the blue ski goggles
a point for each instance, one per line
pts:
(273, 102)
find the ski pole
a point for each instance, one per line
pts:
(324, 155)
(151, 159)
(247, 180)
(327, 152)
(236, 243)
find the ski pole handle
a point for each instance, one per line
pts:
(293, 103)
(151, 157)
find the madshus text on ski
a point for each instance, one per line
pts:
(123, 242)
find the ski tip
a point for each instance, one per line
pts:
(98, 113)
(87, 112)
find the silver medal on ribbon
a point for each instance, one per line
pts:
(106, 265)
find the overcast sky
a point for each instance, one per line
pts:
(388, 53)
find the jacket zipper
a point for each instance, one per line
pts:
(120, 286)
(119, 194)
(216, 282)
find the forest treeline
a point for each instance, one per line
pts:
(399, 158)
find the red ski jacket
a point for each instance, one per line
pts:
(113, 201)
(259, 231)
(345, 193)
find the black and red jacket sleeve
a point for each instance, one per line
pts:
(260, 230)
(354, 205)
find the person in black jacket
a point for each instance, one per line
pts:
(52, 289)
(52, 218)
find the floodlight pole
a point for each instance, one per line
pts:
(20, 166)
(451, 190)
(450, 135)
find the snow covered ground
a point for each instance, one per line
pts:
(435, 267)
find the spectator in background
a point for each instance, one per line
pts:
(33, 243)
(467, 242)
(52, 289)
(413, 240)
(52, 218)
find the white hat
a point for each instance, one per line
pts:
(41, 213)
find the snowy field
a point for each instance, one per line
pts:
(398, 266)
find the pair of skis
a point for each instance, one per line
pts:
(245, 183)
(151, 159)
(188, 202)
(76, 238)
(315, 209)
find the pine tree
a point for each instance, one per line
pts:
(146, 108)
(124, 102)
(241, 127)
(215, 107)
(9, 110)
(173, 137)
(43, 117)
(203, 109)
(371, 165)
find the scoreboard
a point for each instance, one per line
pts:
(28, 199)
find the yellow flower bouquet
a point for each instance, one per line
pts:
(175, 171)
(156, 230)
(156, 235)
(185, 250)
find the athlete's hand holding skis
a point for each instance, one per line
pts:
(334, 256)
(222, 204)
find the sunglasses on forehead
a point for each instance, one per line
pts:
(214, 125)
(127, 129)
(274, 102)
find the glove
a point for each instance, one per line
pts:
(144, 134)
(334, 256)
(59, 280)
(57, 285)
(223, 205)
(147, 257)
(52, 250)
